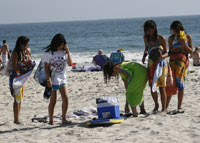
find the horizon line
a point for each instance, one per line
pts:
(97, 19)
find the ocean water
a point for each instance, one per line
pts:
(86, 37)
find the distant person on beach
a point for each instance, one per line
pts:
(117, 57)
(57, 56)
(155, 47)
(100, 59)
(180, 45)
(196, 57)
(5, 53)
(18, 65)
(134, 77)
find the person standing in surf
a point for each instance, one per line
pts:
(155, 47)
(57, 56)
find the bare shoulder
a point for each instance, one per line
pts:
(161, 37)
(189, 37)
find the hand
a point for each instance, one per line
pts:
(144, 56)
(28, 64)
(66, 48)
(161, 56)
(49, 83)
(143, 60)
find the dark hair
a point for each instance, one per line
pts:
(4, 41)
(108, 70)
(177, 26)
(57, 40)
(21, 42)
(150, 24)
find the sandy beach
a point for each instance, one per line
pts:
(84, 88)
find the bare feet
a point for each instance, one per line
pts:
(127, 110)
(143, 112)
(180, 110)
(17, 122)
(135, 115)
(66, 122)
(51, 122)
(156, 108)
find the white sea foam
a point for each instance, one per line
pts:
(85, 58)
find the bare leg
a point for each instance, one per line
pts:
(52, 105)
(134, 110)
(163, 98)
(142, 109)
(16, 110)
(126, 108)
(155, 99)
(180, 98)
(168, 101)
(64, 94)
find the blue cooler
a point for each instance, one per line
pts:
(108, 107)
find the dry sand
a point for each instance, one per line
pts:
(84, 88)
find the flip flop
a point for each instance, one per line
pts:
(66, 122)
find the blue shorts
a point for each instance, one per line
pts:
(56, 87)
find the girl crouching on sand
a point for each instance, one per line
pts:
(57, 56)
(134, 77)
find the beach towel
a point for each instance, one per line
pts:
(136, 82)
(159, 73)
(171, 88)
(16, 82)
(153, 62)
(179, 64)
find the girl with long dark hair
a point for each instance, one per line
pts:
(19, 65)
(155, 47)
(57, 56)
(180, 45)
(134, 77)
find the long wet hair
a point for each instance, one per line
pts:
(177, 26)
(20, 44)
(108, 70)
(57, 40)
(150, 24)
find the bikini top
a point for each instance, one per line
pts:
(151, 47)
(177, 44)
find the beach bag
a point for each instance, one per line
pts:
(116, 57)
(171, 88)
(40, 77)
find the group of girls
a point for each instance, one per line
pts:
(134, 75)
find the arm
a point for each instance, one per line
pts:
(170, 40)
(146, 50)
(164, 44)
(188, 48)
(117, 69)
(47, 69)
(14, 62)
(69, 59)
(126, 108)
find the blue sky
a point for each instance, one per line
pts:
(27, 11)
